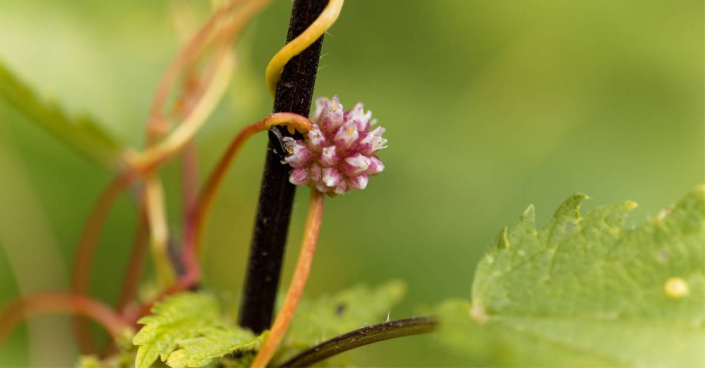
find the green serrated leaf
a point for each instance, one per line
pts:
(330, 316)
(188, 330)
(485, 345)
(215, 343)
(178, 317)
(81, 134)
(583, 288)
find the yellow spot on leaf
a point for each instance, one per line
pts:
(676, 288)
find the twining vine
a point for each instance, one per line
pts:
(334, 152)
(296, 65)
(290, 78)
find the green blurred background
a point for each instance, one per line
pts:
(489, 106)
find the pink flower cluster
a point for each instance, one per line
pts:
(339, 154)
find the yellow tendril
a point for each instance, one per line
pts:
(158, 153)
(159, 230)
(186, 130)
(302, 42)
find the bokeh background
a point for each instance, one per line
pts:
(489, 106)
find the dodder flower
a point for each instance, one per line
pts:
(339, 154)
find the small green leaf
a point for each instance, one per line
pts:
(215, 343)
(584, 291)
(330, 316)
(188, 330)
(82, 134)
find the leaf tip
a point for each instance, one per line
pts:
(146, 355)
(502, 241)
(529, 211)
(527, 220)
(177, 359)
(578, 198)
(569, 210)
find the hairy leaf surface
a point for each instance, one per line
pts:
(584, 291)
(214, 343)
(329, 316)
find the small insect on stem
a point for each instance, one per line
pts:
(277, 139)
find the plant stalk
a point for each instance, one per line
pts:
(294, 94)
(364, 336)
(298, 281)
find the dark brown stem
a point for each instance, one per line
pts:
(364, 336)
(294, 94)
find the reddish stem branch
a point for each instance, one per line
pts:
(138, 257)
(151, 159)
(189, 180)
(193, 229)
(86, 251)
(30, 306)
(186, 56)
(198, 213)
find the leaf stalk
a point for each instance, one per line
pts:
(364, 336)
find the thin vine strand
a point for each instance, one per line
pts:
(154, 195)
(38, 304)
(141, 166)
(96, 219)
(276, 192)
(303, 267)
(136, 263)
(194, 227)
(157, 127)
(361, 337)
(317, 29)
(298, 282)
(207, 196)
